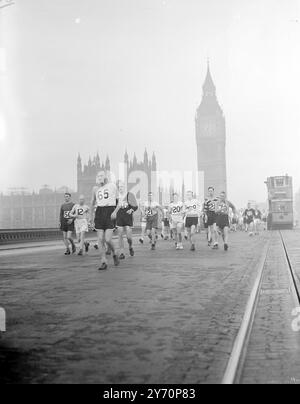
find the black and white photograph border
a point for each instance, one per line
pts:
(149, 194)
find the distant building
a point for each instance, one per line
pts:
(36, 210)
(211, 138)
(86, 174)
(141, 175)
(21, 209)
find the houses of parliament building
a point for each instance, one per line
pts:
(24, 210)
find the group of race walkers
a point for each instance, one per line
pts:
(112, 208)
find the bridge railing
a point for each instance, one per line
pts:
(28, 235)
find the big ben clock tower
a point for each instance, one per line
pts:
(211, 138)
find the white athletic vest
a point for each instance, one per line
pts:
(176, 209)
(106, 195)
(81, 211)
(192, 208)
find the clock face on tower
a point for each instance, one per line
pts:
(208, 129)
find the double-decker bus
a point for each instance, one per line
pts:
(280, 200)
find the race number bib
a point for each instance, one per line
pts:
(211, 206)
(148, 211)
(176, 209)
(223, 208)
(102, 194)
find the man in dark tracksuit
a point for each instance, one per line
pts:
(67, 224)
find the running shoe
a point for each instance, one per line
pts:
(96, 246)
(152, 247)
(122, 256)
(68, 252)
(131, 252)
(103, 266)
(180, 246)
(226, 247)
(86, 246)
(116, 260)
(215, 247)
(80, 252)
(193, 247)
(141, 241)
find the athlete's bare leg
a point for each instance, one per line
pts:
(121, 240)
(188, 234)
(166, 232)
(128, 230)
(179, 233)
(71, 241)
(109, 241)
(65, 239)
(175, 235)
(210, 236)
(143, 225)
(149, 234)
(225, 234)
(153, 235)
(214, 234)
(192, 235)
(82, 240)
(101, 245)
(78, 237)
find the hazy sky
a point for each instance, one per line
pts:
(88, 75)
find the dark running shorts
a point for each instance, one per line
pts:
(191, 221)
(65, 227)
(152, 222)
(222, 221)
(211, 218)
(124, 219)
(249, 220)
(103, 219)
(166, 222)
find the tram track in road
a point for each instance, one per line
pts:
(236, 362)
(294, 276)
